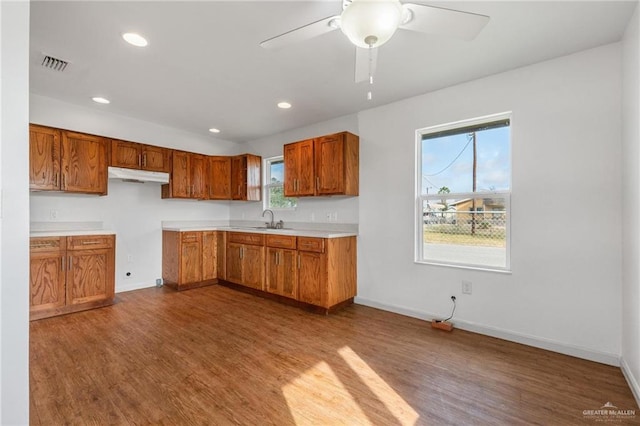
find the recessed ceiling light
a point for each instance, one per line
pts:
(135, 39)
(284, 105)
(214, 130)
(100, 100)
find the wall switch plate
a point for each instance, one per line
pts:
(466, 287)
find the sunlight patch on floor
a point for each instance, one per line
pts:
(317, 396)
(397, 406)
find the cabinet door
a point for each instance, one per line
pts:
(84, 163)
(44, 158)
(155, 159)
(234, 262)
(299, 169)
(287, 262)
(190, 257)
(180, 175)
(197, 175)
(90, 275)
(220, 178)
(239, 177)
(125, 154)
(253, 178)
(329, 158)
(312, 285)
(272, 272)
(47, 280)
(209, 255)
(253, 266)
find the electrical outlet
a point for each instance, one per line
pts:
(159, 282)
(127, 275)
(328, 216)
(466, 287)
(129, 258)
(334, 217)
(53, 214)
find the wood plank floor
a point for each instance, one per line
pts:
(215, 356)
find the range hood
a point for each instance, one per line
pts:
(140, 176)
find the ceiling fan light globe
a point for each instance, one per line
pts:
(366, 20)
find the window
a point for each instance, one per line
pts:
(274, 186)
(463, 192)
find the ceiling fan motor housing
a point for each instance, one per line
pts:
(371, 23)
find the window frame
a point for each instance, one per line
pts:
(420, 198)
(268, 185)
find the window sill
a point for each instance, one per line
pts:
(461, 266)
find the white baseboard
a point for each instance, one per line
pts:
(538, 342)
(631, 379)
(133, 286)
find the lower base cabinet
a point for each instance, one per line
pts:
(70, 274)
(245, 259)
(189, 259)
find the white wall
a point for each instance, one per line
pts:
(631, 204)
(14, 222)
(310, 209)
(134, 211)
(564, 292)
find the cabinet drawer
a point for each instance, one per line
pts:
(87, 242)
(281, 241)
(311, 244)
(190, 237)
(246, 238)
(40, 244)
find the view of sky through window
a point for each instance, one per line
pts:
(448, 161)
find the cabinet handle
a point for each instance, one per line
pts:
(70, 263)
(277, 258)
(241, 252)
(318, 183)
(62, 263)
(299, 261)
(139, 160)
(87, 243)
(64, 182)
(144, 160)
(56, 179)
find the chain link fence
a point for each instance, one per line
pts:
(466, 227)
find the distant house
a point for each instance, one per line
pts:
(487, 209)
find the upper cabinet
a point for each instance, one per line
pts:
(84, 163)
(44, 158)
(219, 174)
(132, 155)
(328, 165)
(60, 160)
(246, 177)
(188, 176)
(298, 169)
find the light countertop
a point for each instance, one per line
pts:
(294, 232)
(70, 233)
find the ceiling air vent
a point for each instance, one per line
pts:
(54, 63)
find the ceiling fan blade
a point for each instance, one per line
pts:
(364, 58)
(303, 33)
(446, 22)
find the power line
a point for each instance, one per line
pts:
(454, 160)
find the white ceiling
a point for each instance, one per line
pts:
(204, 67)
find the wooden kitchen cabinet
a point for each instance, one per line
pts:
(60, 160)
(299, 169)
(83, 163)
(327, 270)
(189, 259)
(132, 155)
(245, 259)
(328, 165)
(219, 178)
(44, 158)
(47, 281)
(188, 176)
(246, 177)
(281, 266)
(70, 274)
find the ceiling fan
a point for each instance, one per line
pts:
(369, 24)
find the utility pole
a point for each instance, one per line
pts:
(473, 200)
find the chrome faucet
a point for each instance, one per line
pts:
(271, 224)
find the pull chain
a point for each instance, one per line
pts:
(371, 41)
